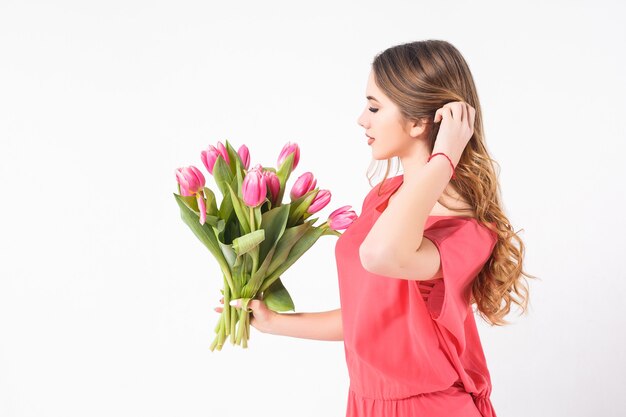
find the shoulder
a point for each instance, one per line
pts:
(462, 232)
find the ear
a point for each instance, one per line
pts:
(416, 128)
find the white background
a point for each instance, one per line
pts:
(106, 297)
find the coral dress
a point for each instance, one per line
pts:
(412, 347)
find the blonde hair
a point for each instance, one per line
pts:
(420, 77)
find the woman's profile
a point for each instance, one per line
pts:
(428, 245)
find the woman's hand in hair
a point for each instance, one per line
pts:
(455, 130)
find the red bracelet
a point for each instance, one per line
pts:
(449, 160)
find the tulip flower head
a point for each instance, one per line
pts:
(305, 183)
(341, 218)
(273, 185)
(209, 156)
(192, 182)
(288, 149)
(244, 155)
(322, 198)
(253, 187)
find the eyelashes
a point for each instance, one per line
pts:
(373, 110)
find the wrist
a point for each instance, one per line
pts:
(273, 323)
(452, 155)
(445, 159)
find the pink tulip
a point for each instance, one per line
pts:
(192, 182)
(244, 155)
(319, 202)
(305, 183)
(210, 155)
(341, 218)
(273, 185)
(253, 188)
(286, 151)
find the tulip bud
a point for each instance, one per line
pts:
(244, 155)
(192, 182)
(210, 155)
(273, 185)
(257, 167)
(190, 179)
(319, 202)
(305, 183)
(286, 151)
(253, 188)
(341, 218)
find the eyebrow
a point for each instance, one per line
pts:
(372, 98)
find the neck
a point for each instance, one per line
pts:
(414, 159)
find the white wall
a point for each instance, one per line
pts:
(106, 298)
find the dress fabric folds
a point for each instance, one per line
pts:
(412, 347)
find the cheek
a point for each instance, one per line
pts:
(388, 126)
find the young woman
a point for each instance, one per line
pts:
(429, 244)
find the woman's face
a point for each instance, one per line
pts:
(382, 121)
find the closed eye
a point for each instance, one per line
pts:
(373, 110)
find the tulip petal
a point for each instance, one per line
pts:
(201, 207)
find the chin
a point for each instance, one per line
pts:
(382, 155)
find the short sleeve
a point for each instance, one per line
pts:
(464, 247)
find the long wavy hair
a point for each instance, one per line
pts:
(420, 77)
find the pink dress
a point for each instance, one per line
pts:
(412, 347)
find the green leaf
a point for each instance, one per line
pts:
(257, 278)
(283, 174)
(247, 242)
(242, 211)
(274, 222)
(289, 238)
(211, 202)
(204, 232)
(277, 298)
(300, 206)
(302, 245)
(233, 156)
(228, 252)
(226, 208)
(222, 174)
(190, 201)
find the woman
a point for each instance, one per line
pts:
(427, 245)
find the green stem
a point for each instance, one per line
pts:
(225, 311)
(252, 225)
(217, 326)
(233, 323)
(241, 326)
(244, 342)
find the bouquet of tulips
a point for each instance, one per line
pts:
(253, 236)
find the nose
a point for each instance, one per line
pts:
(361, 121)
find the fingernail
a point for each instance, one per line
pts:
(234, 303)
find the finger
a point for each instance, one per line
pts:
(446, 112)
(456, 109)
(237, 303)
(222, 300)
(448, 107)
(472, 117)
(218, 309)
